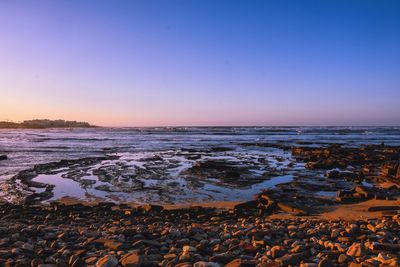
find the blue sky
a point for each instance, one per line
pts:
(135, 63)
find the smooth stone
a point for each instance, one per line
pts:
(91, 260)
(113, 245)
(35, 262)
(291, 259)
(308, 264)
(107, 261)
(187, 249)
(356, 250)
(174, 232)
(326, 263)
(78, 262)
(371, 228)
(170, 256)
(206, 264)
(72, 259)
(335, 233)
(234, 263)
(16, 251)
(27, 246)
(132, 259)
(277, 251)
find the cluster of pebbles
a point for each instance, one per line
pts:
(108, 235)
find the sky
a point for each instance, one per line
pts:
(201, 62)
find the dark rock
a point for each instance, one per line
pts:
(326, 263)
(384, 247)
(35, 262)
(343, 258)
(390, 169)
(356, 250)
(292, 259)
(132, 259)
(241, 263)
(384, 208)
(151, 208)
(246, 206)
(113, 245)
(206, 264)
(363, 191)
(278, 251)
(398, 172)
(107, 261)
(77, 262)
(222, 258)
(291, 208)
(91, 260)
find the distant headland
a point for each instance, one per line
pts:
(44, 124)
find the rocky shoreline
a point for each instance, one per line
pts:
(289, 224)
(108, 234)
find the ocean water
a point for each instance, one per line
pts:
(26, 148)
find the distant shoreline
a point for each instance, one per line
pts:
(45, 124)
(63, 124)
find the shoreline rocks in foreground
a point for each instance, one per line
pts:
(108, 235)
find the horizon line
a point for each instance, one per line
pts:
(203, 125)
(242, 126)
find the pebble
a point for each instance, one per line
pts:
(356, 250)
(335, 233)
(206, 264)
(326, 263)
(189, 249)
(277, 251)
(107, 261)
(342, 258)
(132, 259)
(191, 238)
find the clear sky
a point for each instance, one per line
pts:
(199, 62)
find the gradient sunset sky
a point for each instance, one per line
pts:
(149, 63)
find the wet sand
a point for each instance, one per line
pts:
(346, 212)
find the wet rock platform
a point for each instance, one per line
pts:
(217, 174)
